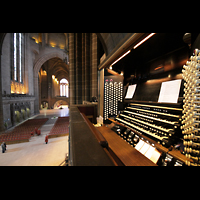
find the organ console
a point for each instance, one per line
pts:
(164, 124)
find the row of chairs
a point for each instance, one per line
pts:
(61, 126)
(24, 130)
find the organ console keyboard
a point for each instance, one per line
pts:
(160, 123)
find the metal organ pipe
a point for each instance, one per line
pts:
(191, 109)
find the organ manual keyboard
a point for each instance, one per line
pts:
(155, 120)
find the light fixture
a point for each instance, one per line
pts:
(44, 72)
(53, 76)
(142, 41)
(121, 57)
(110, 67)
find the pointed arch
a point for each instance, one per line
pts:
(43, 58)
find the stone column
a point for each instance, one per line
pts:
(94, 78)
(100, 92)
(36, 93)
(43, 40)
(78, 68)
(87, 66)
(46, 38)
(83, 66)
(1, 102)
(12, 114)
(72, 70)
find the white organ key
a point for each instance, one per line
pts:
(149, 117)
(170, 115)
(141, 129)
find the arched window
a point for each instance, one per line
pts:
(64, 89)
(18, 55)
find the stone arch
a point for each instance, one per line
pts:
(43, 58)
(39, 62)
(2, 36)
(58, 102)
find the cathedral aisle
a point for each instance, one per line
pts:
(36, 152)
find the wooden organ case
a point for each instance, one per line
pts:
(156, 129)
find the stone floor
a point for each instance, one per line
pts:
(36, 152)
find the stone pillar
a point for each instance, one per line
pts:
(100, 92)
(43, 40)
(12, 114)
(72, 70)
(46, 38)
(94, 78)
(36, 94)
(83, 66)
(2, 128)
(87, 66)
(78, 68)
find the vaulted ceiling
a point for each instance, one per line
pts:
(57, 67)
(110, 41)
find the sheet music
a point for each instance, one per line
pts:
(130, 91)
(169, 91)
(139, 145)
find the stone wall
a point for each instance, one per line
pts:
(16, 107)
